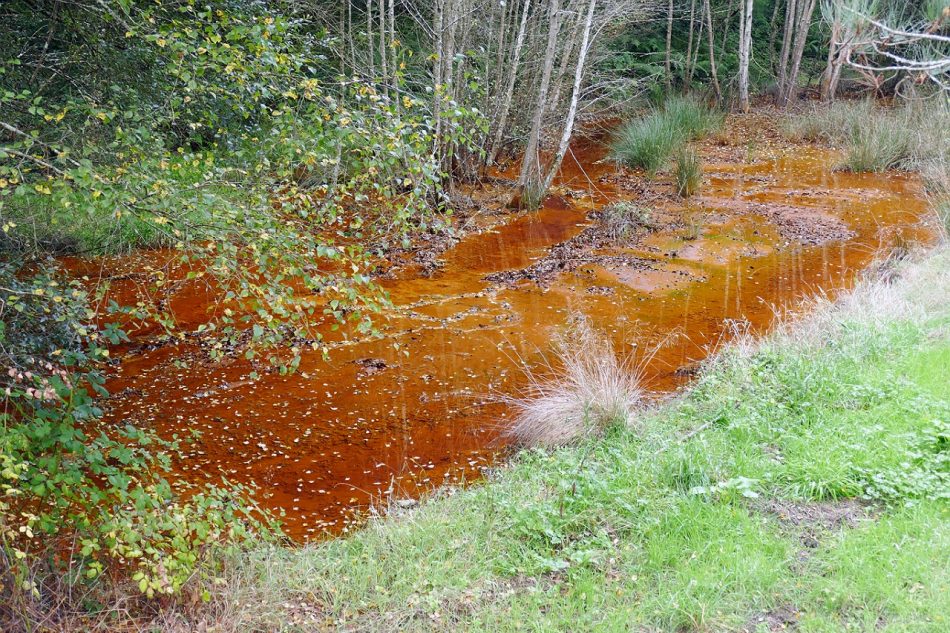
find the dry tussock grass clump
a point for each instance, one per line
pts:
(591, 389)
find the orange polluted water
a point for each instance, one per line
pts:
(374, 421)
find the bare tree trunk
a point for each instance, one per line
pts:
(502, 119)
(745, 53)
(689, 44)
(555, 164)
(392, 40)
(803, 25)
(349, 34)
(726, 24)
(438, 19)
(773, 31)
(669, 45)
(712, 52)
(787, 32)
(529, 179)
(369, 37)
(382, 46)
(566, 56)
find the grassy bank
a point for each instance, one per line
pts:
(802, 482)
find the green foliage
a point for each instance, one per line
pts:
(92, 498)
(216, 130)
(243, 160)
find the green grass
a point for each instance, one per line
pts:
(660, 524)
(875, 138)
(688, 173)
(650, 142)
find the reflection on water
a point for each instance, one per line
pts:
(374, 420)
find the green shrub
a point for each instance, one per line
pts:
(79, 500)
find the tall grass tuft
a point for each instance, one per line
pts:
(876, 138)
(649, 143)
(646, 144)
(591, 390)
(688, 173)
(691, 118)
(885, 145)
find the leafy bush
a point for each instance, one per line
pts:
(216, 133)
(77, 498)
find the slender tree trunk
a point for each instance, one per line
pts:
(439, 26)
(566, 57)
(555, 164)
(727, 23)
(369, 38)
(530, 177)
(712, 52)
(803, 26)
(392, 41)
(502, 118)
(689, 44)
(787, 32)
(349, 35)
(382, 46)
(745, 53)
(773, 33)
(669, 45)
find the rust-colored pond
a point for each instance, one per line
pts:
(374, 421)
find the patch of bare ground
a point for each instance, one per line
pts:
(827, 515)
(810, 522)
(807, 226)
(783, 618)
(567, 257)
